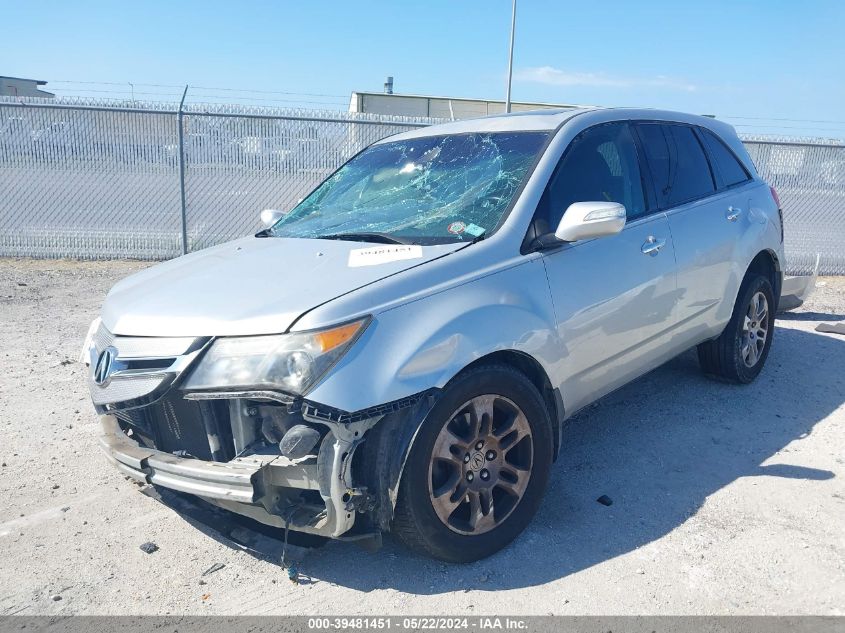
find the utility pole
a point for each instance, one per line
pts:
(184, 207)
(510, 59)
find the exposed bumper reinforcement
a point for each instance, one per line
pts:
(262, 487)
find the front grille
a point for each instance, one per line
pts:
(124, 389)
(138, 352)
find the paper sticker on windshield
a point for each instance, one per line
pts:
(456, 228)
(383, 254)
(474, 230)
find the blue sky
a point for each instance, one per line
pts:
(779, 65)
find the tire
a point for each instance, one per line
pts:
(506, 476)
(731, 357)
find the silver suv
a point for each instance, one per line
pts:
(400, 351)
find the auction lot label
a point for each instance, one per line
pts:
(383, 254)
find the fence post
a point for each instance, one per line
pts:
(179, 119)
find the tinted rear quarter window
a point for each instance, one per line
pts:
(730, 169)
(677, 163)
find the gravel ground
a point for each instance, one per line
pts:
(726, 500)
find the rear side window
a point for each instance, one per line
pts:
(727, 165)
(677, 163)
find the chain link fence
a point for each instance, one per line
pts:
(94, 180)
(809, 176)
(100, 180)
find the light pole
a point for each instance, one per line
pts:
(510, 59)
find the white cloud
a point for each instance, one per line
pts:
(556, 77)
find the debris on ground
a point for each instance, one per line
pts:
(149, 547)
(215, 567)
(293, 571)
(831, 328)
(605, 500)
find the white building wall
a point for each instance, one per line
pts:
(436, 107)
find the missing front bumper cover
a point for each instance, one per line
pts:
(267, 488)
(348, 479)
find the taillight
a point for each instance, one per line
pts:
(776, 198)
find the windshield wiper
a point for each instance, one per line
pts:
(381, 238)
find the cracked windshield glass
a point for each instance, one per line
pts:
(430, 190)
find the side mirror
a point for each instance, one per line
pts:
(270, 216)
(585, 220)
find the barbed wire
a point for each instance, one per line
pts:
(230, 95)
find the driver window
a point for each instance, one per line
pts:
(599, 164)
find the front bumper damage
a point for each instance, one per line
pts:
(225, 447)
(264, 487)
(257, 486)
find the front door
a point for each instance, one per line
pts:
(614, 297)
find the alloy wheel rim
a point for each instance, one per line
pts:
(755, 330)
(480, 465)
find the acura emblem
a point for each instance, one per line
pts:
(103, 368)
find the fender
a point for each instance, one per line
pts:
(761, 236)
(421, 345)
(411, 352)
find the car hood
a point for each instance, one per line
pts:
(252, 285)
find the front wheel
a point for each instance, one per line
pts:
(477, 471)
(738, 355)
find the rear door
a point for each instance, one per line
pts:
(614, 296)
(706, 220)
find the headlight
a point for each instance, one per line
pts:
(288, 362)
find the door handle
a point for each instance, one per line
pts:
(652, 246)
(733, 214)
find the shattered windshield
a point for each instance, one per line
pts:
(429, 190)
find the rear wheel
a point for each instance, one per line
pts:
(740, 352)
(478, 468)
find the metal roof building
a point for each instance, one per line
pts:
(20, 87)
(439, 107)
